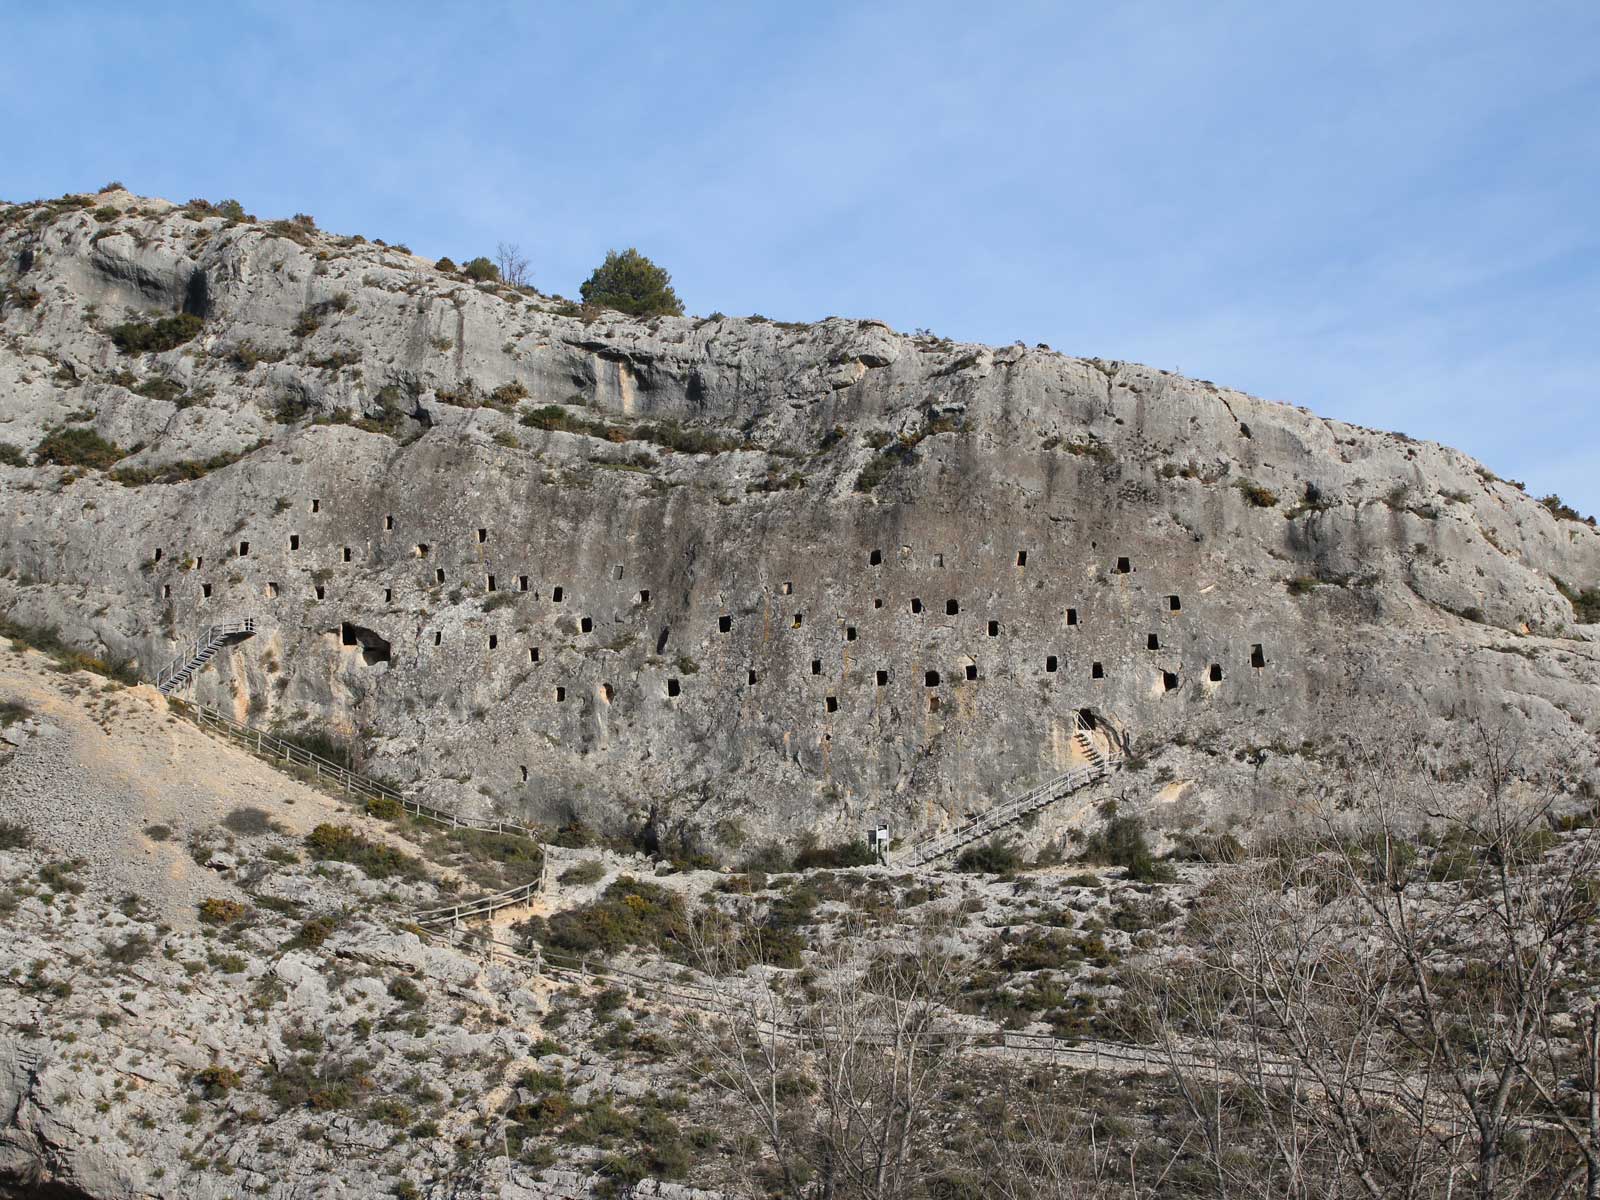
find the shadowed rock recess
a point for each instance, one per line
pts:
(566, 563)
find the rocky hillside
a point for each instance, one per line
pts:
(763, 577)
(202, 994)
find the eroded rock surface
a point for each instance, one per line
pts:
(902, 567)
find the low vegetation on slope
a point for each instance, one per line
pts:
(1452, 939)
(78, 446)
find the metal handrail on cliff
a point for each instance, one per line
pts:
(352, 783)
(484, 906)
(182, 669)
(1100, 765)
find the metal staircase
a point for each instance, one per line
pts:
(182, 670)
(1099, 765)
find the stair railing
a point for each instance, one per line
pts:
(1100, 765)
(211, 638)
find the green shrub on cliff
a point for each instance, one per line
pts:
(79, 446)
(149, 337)
(631, 283)
(630, 912)
(340, 843)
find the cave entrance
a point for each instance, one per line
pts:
(374, 646)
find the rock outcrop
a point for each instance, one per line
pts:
(765, 577)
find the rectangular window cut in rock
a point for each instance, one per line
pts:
(205, 591)
(438, 574)
(643, 598)
(1169, 681)
(437, 637)
(388, 522)
(799, 620)
(788, 589)
(556, 595)
(158, 554)
(494, 641)
(1215, 673)
(750, 678)
(816, 666)
(1022, 558)
(586, 625)
(673, 687)
(875, 559)
(972, 670)
(1258, 657)
(930, 679)
(1152, 642)
(1050, 663)
(952, 608)
(1174, 604)
(1097, 671)
(421, 550)
(489, 579)
(533, 654)
(166, 591)
(994, 628)
(561, 695)
(388, 595)
(272, 590)
(483, 535)
(199, 562)
(883, 678)
(322, 592)
(316, 506)
(916, 604)
(831, 704)
(294, 541)
(616, 571)
(877, 602)
(244, 549)
(522, 583)
(1124, 566)
(849, 633)
(606, 693)
(1072, 616)
(933, 703)
(347, 554)
(724, 623)
(938, 560)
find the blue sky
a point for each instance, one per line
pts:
(1385, 212)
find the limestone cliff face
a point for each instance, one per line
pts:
(887, 600)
